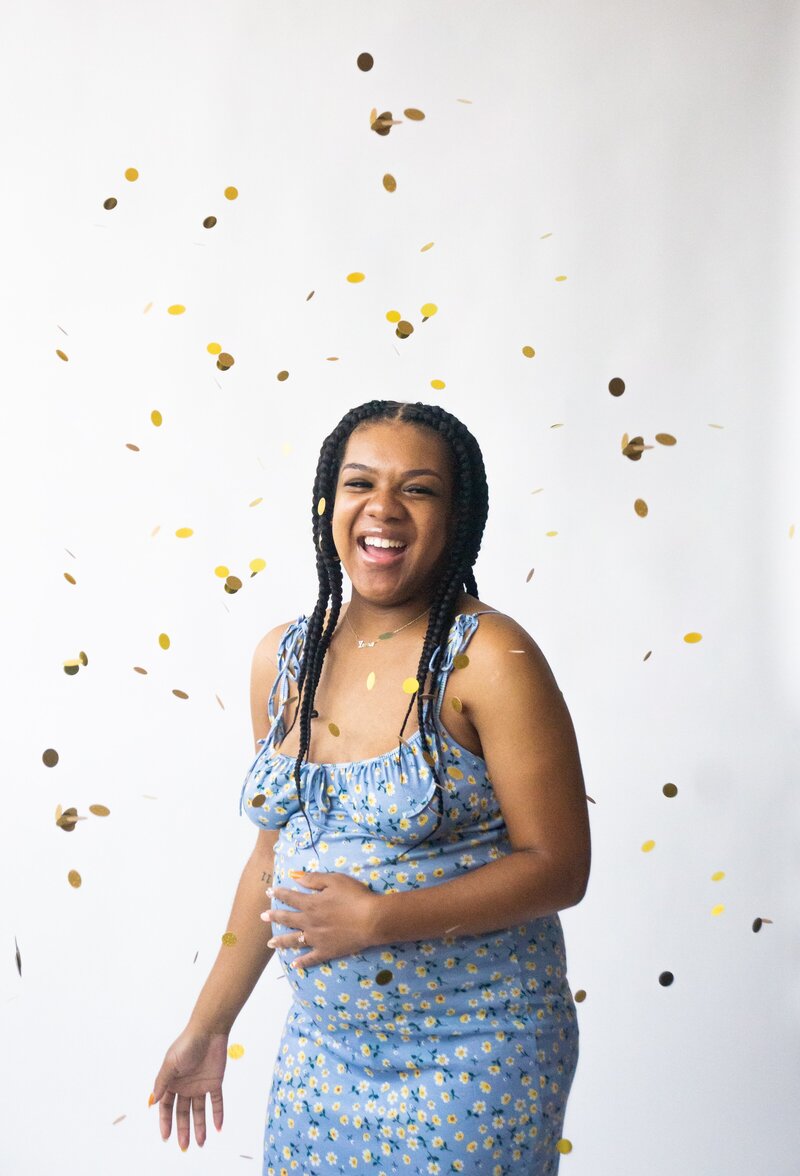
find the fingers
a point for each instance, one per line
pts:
(295, 898)
(165, 1113)
(199, 1116)
(286, 919)
(308, 960)
(216, 1107)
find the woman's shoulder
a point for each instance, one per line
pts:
(266, 651)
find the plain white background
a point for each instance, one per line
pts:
(645, 151)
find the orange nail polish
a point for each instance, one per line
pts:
(151, 1099)
(296, 873)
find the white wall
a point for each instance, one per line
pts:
(646, 151)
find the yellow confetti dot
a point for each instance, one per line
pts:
(156, 417)
(455, 772)
(235, 1051)
(460, 661)
(100, 810)
(229, 939)
(214, 348)
(717, 876)
(438, 385)
(131, 174)
(284, 375)
(647, 846)
(355, 277)
(693, 638)
(389, 183)
(222, 571)
(334, 730)
(184, 532)
(231, 193)
(456, 703)
(410, 685)
(580, 996)
(62, 355)
(74, 879)
(321, 506)
(718, 909)
(393, 316)
(176, 308)
(564, 1146)
(561, 278)
(428, 309)
(163, 640)
(528, 351)
(425, 248)
(640, 506)
(257, 565)
(370, 679)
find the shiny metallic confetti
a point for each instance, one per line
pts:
(414, 114)
(564, 1147)
(321, 506)
(156, 417)
(393, 316)
(381, 124)
(670, 790)
(334, 730)
(209, 222)
(50, 757)
(67, 819)
(410, 685)
(231, 193)
(634, 448)
(718, 909)
(460, 661)
(665, 979)
(647, 846)
(425, 248)
(692, 638)
(283, 375)
(718, 875)
(384, 976)
(404, 329)
(163, 640)
(428, 310)
(365, 61)
(528, 351)
(74, 879)
(666, 439)
(580, 996)
(70, 578)
(355, 277)
(61, 355)
(527, 578)
(100, 810)
(176, 308)
(110, 202)
(225, 361)
(235, 1051)
(438, 385)
(616, 386)
(229, 939)
(640, 506)
(131, 174)
(389, 183)
(456, 703)
(180, 693)
(184, 533)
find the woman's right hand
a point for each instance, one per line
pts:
(192, 1068)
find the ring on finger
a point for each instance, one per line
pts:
(301, 939)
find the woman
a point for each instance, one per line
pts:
(415, 890)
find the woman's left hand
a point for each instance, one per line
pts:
(337, 918)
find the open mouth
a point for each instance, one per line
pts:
(381, 555)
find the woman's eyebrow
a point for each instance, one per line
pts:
(354, 465)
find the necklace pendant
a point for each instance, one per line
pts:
(365, 644)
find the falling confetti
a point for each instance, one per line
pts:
(647, 846)
(580, 996)
(718, 909)
(389, 183)
(429, 309)
(156, 417)
(370, 679)
(616, 386)
(640, 506)
(50, 757)
(111, 202)
(717, 876)
(414, 114)
(235, 1051)
(456, 703)
(100, 810)
(209, 222)
(670, 790)
(425, 248)
(365, 61)
(176, 308)
(530, 573)
(355, 277)
(393, 316)
(131, 174)
(404, 329)
(61, 355)
(666, 439)
(180, 693)
(321, 506)
(17, 956)
(334, 730)
(665, 979)
(225, 361)
(163, 640)
(74, 879)
(231, 193)
(528, 351)
(438, 385)
(229, 939)
(384, 976)
(564, 1146)
(410, 685)
(692, 638)
(283, 375)
(460, 661)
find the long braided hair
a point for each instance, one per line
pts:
(470, 510)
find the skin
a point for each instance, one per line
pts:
(517, 716)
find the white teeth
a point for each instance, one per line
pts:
(375, 541)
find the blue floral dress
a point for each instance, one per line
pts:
(434, 1056)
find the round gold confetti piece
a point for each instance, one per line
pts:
(404, 329)
(430, 308)
(321, 506)
(381, 124)
(640, 506)
(355, 277)
(61, 355)
(647, 846)
(370, 679)
(365, 61)
(176, 308)
(460, 661)
(665, 439)
(225, 360)
(258, 800)
(233, 584)
(389, 183)
(718, 909)
(163, 640)
(71, 667)
(180, 693)
(111, 202)
(561, 278)
(438, 385)
(156, 417)
(100, 810)
(70, 578)
(283, 375)
(426, 755)
(131, 174)
(231, 193)
(670, 790)
(414, 114)
(229, 939)
(67, 819)
(235, 1051)
(425, 248)
(665, 979)
(393, 316)
(214, 348)
(209, 222)
(384, 976)
(718, 875)
(616, 386)
(257, 565)
(757, 924)
(334, 730)
(693, 638)
(221, 571)
(580, 996)
(74, 878)
(456, 703)
(50, 757)
(564, 1146)
(528, 351)
(455, 772)
(410, 685)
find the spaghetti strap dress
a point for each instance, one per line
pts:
(433, 1056)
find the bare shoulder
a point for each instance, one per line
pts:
(267, 648)
(503, 651)
(263, 670)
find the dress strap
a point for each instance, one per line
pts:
(460, 633)
(288, 658)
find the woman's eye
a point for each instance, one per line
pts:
(421, 489)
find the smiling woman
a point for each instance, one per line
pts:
(417, 876)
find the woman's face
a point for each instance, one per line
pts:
(395, 481)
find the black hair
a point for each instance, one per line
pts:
(470, 507)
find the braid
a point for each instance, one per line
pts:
(471, 506)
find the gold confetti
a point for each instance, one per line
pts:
(404, 329)
(456, 703)
(225, 361)
(693, 638)
(393, 316)
(370, 679)
(156, 417)
(209, 222)
(355, 277)
(131, 174)
(71, 667)
(430, 308)
(231, 193)
(334, 730)
(74, 879)
(383, 977)
(670, 790)
(389, 183)
(455, 772)
(580, 996)
(69, 577)
(50, 757)
(438, 384)
(718, 875)
(414, 114)
(527, 578)
(61, 355)
(332, 358)
(665, 439)
(111, 202)
(163, 640)
(321, 506)
(410, 685)
(528, 351)
(647, 846)
(640, 506)
(564, 1146)
(561, 278)
(718, 909)
(229, 939)
(221, 571)
(257, 565)
(791, 530)
(460, 661)
(100, 810)
(309, 296)
(67, 819)
(214, 348)
(176, 308)
(616, 386)
(426, 755)
(425, 248)
(381, 124)
(235, 1051)
(365, 61)
(180, 693)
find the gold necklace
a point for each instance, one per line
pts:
(383, 636)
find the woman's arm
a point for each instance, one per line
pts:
(533, 763)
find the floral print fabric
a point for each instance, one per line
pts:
(435, 1056)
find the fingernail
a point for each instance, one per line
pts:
(265, 916)
(270, 943)
(268, 892)
(185, 1149)
(151, 1099)
(296, 873)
